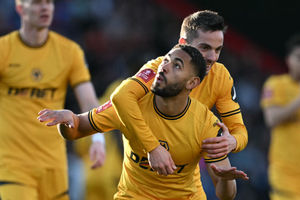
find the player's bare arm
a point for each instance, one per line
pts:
(223, 177)
(97, 154)
(70, 126)
(275, 115)
(87, 99)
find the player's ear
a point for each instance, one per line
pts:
(182, 41)
(19, 9)
(193, 82)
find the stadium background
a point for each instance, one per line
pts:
(119, 36)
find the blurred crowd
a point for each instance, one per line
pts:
(118, 37)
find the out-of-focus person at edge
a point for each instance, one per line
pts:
(36, 66)
(281, 107)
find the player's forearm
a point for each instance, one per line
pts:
(81, 128)
(86, 96)
(277, 115)
(241, 136)
(125, 101)
(225, 189)
(238, 130)
(69, 133)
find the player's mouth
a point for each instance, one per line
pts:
(209, 64)
(161, 77)
(208, 67)
(44, 17)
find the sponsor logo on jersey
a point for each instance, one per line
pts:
(14, 65)
(143, 162)
(164, 144)
(146, 75)
(32, 92)
(36, 74)
(103, 107)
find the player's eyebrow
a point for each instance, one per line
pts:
(177, 59)
(208, 45)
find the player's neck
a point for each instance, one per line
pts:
(171, 105)
(34, 37)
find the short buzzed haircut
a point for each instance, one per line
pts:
(197, 60)
(292, 43)
(205, 20)
(18, 2)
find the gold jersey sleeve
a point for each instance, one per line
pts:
(217, 89)
(31, 79)
(181, 135)
(104, 118)
(128, 94)
(284, 153)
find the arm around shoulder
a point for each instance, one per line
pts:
(127, 96)
(230, 111)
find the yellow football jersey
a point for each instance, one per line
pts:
(181, 135)
(31, 79)
(284, 153)
(216, 89)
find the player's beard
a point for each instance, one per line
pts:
(170, 90)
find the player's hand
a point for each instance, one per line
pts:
(219, 146)
(97, 154)
(229, 174)
(161, 161)
(54, 117)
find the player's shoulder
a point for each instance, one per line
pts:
(201, 113)
(278, 79)
(198, 108)
(63, 41)
(8, 37)
(219, 70)
(8, 41)
(220, 75)
(154, 63)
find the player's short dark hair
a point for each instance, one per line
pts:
(206, 20)
(197, 59)
(292, 43)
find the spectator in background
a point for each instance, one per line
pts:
(281, 107)
(36, 66)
